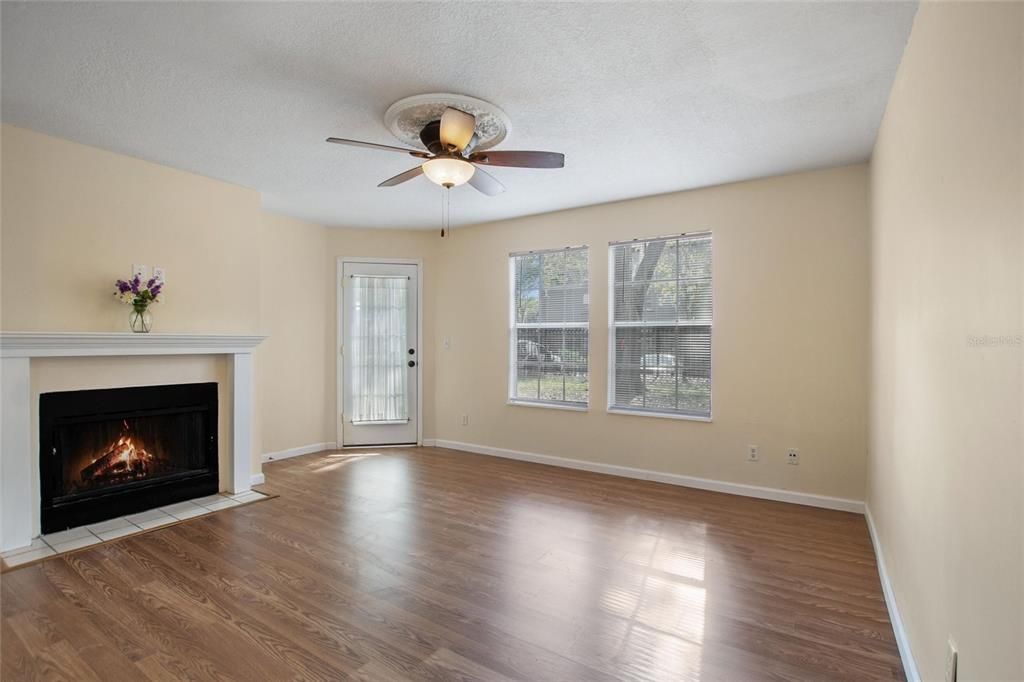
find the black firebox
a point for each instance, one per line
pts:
(109, 452)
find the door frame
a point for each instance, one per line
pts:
(339, 337)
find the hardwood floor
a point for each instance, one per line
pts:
(428, 564)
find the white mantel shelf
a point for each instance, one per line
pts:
(19, 458)
(78, 344)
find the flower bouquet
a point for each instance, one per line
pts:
(139, 297)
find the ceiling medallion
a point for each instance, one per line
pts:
(407, 117)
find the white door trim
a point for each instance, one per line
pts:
(339, 335)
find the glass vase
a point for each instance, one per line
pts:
(140, 319)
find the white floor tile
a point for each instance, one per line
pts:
(223, 503)
(31, 555)
(179, 506)
(184, 510)
(138, 519)
(249, 496)
(77, 543)
(118, 532)
(65, 535)
(156, 521)
(209, 499)
(112, 524)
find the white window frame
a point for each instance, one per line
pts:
(612, 408)
(513, 353)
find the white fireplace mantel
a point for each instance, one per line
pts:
(19, 465)
(77, 344)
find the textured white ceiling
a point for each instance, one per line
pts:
(643, 98)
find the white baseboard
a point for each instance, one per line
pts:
(257, 479)
(909, 666)
(776, 494)
(429, 443)
(296, 452)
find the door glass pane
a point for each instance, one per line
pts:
(379, 348)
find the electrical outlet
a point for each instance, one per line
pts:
(793, 456)
(465, 420)
(752, 454)
(951, 660)
(447, 342)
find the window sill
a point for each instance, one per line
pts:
(550, 406)
(658, 415)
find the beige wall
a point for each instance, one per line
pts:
(789, 343)
(946, 459)
(291, 381)
(74, 218)
(299, 313)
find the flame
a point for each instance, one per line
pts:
(122, 457)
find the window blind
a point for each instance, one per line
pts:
(549, 327)
(660, 331)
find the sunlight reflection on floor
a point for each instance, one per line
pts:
(672, 607)
(647, 604)
(334, 461)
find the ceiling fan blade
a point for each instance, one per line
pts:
(457, 128)
(403, 177)
(519, 159)
(484, 182)
(374, 145)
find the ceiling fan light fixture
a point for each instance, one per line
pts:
(448, 172)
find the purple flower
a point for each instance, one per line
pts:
(135, 291)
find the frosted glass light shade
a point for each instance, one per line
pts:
(448, 172)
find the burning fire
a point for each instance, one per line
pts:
(122, 460)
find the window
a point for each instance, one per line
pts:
(660, 326)
(550, 327)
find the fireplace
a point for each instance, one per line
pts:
(106, 453)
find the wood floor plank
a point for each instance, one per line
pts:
(428, 564)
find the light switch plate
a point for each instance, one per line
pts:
(159, 274)
(141, 270)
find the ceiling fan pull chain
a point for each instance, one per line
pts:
(444, 210)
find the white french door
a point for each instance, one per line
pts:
(380, 353)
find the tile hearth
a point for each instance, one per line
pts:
(84, 536)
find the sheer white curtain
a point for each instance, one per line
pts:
(379, 347)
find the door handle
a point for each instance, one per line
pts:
(412, 363)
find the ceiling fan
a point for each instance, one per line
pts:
(450, 159)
